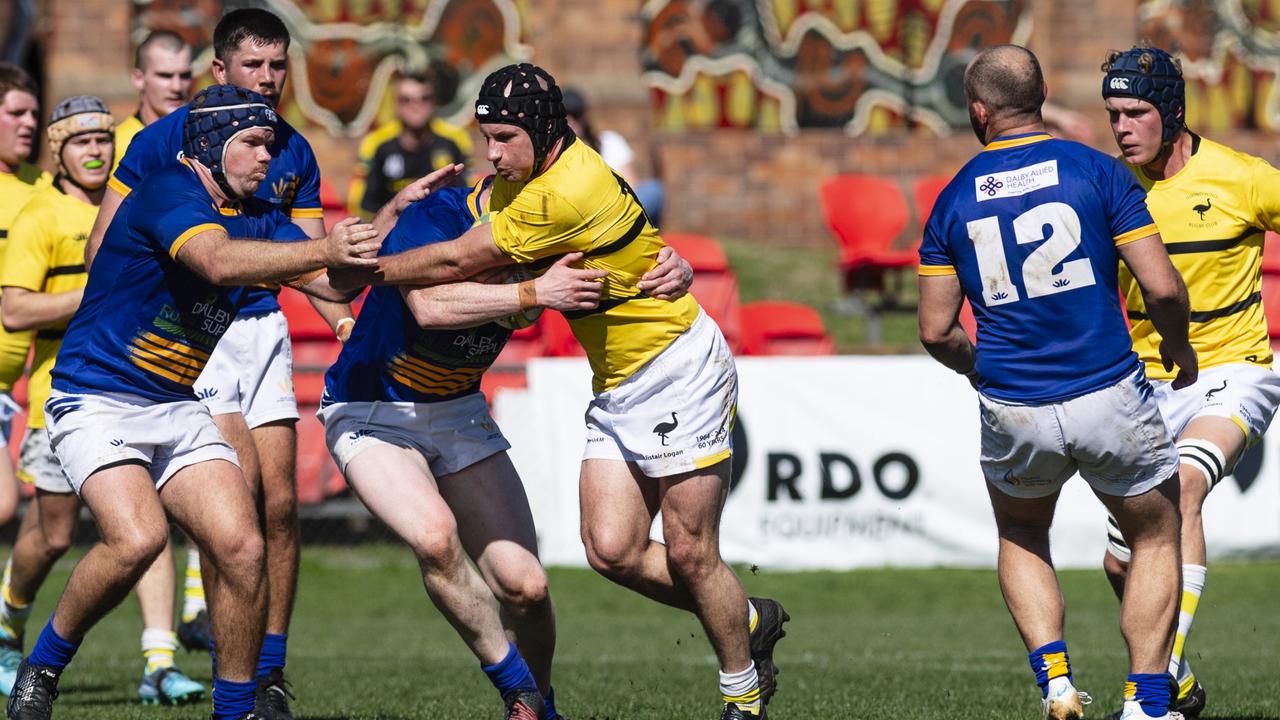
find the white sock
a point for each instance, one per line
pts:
(742, 688)
(193, 590)
(158, 647)
(752, 617)
(1193, 577)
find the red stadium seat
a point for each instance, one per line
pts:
(557, 338)
(783, 328)
(867, 214)
(925, 191)
(714, 283)
(1271, 254)
(317, 475)
(331, 202)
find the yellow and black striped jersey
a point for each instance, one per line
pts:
(15, 190)
(580, 205)
(1212, 216)
(46, 255)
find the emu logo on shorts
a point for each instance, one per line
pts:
(662, 428)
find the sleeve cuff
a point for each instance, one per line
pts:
(114, 183)
(1138, 234)
(936, 270)
(184, 237)
(306, 213)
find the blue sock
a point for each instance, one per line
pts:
(232, 699)
(1048, 662)
(511, 673)
(52, 650)
(549, 701)
(1152, 690)
(272, 655)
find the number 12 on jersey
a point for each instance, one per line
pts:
(1054, 223)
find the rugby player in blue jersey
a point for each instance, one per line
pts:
(123, 417)
(248, 385)
(1032, 232)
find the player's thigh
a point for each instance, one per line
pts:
(56, 515)
(211, 503)
(1015, 515)
(277, 446)
(495, 524)
(234, 430)
(617, 506)
(395, 484)
(126, 506)
(692, 502)
(1023, 452)
(1150, 514)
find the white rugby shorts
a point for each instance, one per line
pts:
(676, 413)
(251, 371)
(1245, 394)
(38, 465)
(451, 435)
(90, 432)
(1115, 437)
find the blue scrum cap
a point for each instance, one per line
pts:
(218, 114)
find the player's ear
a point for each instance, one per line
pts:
(219, 70)
(136, 76)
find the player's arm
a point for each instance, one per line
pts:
(385, 219)
(23, 309)
(1164, 294)
(939, 319)
(329, 303)
(213, 255)
(467, 304)
(106, 213)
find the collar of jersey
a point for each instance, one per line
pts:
(231, 210)
(1017, 140)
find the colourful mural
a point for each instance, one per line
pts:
(1230, 51)
(345, 52)
(781, 65)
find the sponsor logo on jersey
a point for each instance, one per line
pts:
(1013, 183)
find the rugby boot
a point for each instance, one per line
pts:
(769, 620)
(1193, 704)
(33, 692)
(1064, 701)
(197, 634)
(524, 705)
(169, 686)
(10, 659)
(247, 716)
(1133, 711)
(733, 712)
(273, 696)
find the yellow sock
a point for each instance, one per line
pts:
(158, 647)
(193, 589)
(742, 689)
(13, 611)
(753, 617)
(1193, 577)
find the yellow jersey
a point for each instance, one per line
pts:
(1212, 216)
(124, 135)
(46, 255)
(375, 138)
(580, 205)
(15, 190)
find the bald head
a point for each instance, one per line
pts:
(1007, 80)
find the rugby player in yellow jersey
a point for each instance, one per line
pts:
(659, 431)
(43, 280)
(162, 76)
(1213, 206)
(19, 180)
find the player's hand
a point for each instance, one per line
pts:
(351, 243)
(1185, 358)
(564, 288)
(669, 279)
(424, 186)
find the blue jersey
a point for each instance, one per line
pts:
(1031, 227)
(388, 356)
(147, 323)
(292, 185)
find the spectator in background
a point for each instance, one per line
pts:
(413, 145)
(162, 76)
(616, 152)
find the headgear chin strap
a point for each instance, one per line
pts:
(218, 114)
(74, 116)
(514, 95)
(1150, 74)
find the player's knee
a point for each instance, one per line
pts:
(55, 542)
(525, 592)
(138, 547)
(692, 557)
(611, 554)
(280, 512)
(241, 556)
(437, 547)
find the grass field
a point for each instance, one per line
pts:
(366, 644)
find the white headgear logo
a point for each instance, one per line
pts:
(482, 109)
(1119, 83)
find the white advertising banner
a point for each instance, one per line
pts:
(847, 462)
